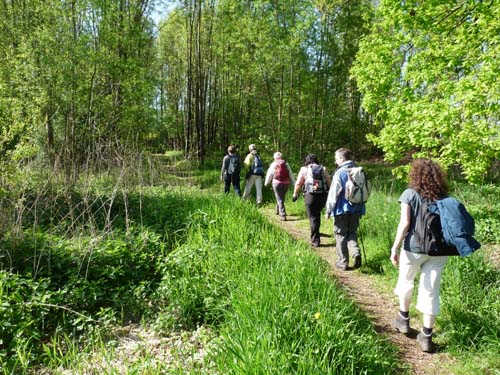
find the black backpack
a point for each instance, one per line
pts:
(428, 232)
(315, 183)
(234, 164)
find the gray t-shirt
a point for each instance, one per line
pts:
(412, 198)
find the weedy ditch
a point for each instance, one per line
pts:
(180, 260)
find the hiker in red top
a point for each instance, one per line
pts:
(281, 176)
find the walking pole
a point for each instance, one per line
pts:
(362, 245)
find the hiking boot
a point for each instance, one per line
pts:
(426, 343)
(340, 266)
(401, 324)
(283, 218)
(357, 261)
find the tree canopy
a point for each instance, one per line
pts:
(76, 78)
(83, 80)
(269, 72)
(428, 72)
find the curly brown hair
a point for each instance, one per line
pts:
(428, 179)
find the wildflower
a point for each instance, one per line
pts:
(317, 316)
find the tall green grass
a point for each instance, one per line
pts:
(277, 309)
(178, 259)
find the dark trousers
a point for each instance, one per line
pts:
(344, 227)
(233, 179)
(314, 204)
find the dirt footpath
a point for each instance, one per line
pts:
(379, 305)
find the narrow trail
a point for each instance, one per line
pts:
(380, 306)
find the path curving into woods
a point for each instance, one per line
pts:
(379, 305)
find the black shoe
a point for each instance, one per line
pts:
(357, 261)
(401, 324)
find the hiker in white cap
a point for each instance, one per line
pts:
(254, 174)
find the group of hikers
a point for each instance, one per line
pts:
(318, 188)
(427, 183)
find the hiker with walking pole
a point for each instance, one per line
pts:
(345, 211)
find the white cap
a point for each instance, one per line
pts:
(252, 147)
(277, 155)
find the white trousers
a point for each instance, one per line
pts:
(430, 268)
(257, 181)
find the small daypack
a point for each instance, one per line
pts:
(234, 164)
(281, 172)
(357, 187)
(257, 166)
(315, 183)
(428, 232)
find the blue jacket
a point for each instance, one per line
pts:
(457, 225)
(336, 203)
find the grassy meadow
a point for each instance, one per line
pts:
(232, 292)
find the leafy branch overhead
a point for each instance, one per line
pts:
(429, 72)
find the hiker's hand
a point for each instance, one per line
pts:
(294, 198)
(327, 216)
(394, 258)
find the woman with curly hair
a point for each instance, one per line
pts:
(427, 181)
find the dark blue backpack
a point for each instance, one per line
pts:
(257, 166)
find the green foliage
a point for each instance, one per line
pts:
(471, 304)
(278, 74)
(56, 285)
(428, 74)
(482, 202)
(271, 297)
(21, 314)
(76, 83)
